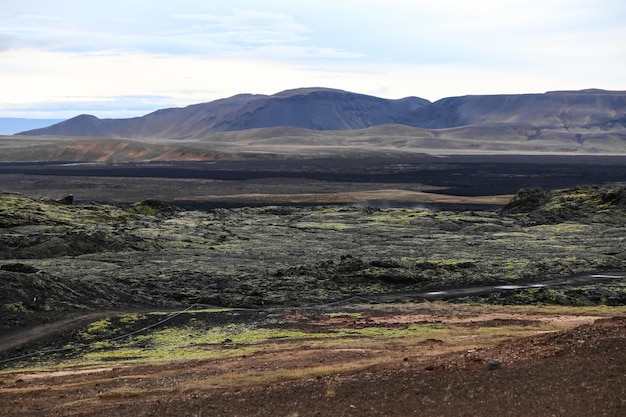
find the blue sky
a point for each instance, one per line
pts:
(127, 58)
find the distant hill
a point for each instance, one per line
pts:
(307, 108)
(12, 125)
(569, 110)
(328, 109)
(319, 122)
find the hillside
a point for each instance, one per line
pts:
(569, 110)
(328, 109)
(318, 122)
(310, 108)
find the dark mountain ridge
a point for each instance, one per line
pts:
(321, 109)
(585, 109)
(308, 108)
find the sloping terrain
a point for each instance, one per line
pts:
(443, 360)
(300, 144)
(313, 108)
(317, 122)
(575, 111)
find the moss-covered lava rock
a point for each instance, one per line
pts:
(61, 257)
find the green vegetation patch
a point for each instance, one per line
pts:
(113, 340)
(153, 207)
(96, 329)
(19, 210)
(353, 315)
(177, 343)
(15, 307)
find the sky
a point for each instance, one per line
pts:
(127, 58)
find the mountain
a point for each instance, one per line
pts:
(568, 110)
(12, 125)
(328, 109)
(319, 122)
(308, 108)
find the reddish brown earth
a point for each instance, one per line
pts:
(576, 372)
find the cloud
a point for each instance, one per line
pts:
(103, 107)
(96, 55)
(238, 32)
(416, 32)
(248, 25)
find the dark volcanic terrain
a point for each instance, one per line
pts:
(373, 286)
(463, 257)
(61, 258)
(146, 309)
(436, 182)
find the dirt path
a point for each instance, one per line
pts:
(23, 337)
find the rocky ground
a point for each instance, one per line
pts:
(78, 276)
(576, 371)
(60, 257)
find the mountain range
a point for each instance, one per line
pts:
(325, 109)
(320, 123)
(307, 108)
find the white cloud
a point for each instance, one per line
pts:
(100, 53)
(234, 32)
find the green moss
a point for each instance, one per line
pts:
(351, 315)
(177, 343)
(563, 228)
(203, 310)
(162, 354)
(552, 296)
(451, 263)
(243, 335)
(130, 318)
(119, 354)
(323, 225)
(124, 392)
(96, 329)
(152, 207)
(19, 210)
(15, 307)
(102, 345)
(388, 333)
(231, 334)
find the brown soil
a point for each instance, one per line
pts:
(576, 372)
